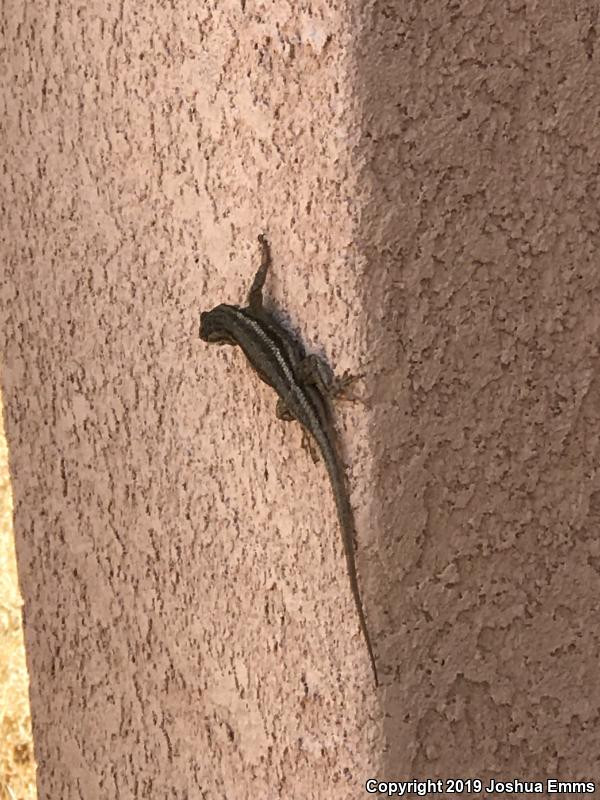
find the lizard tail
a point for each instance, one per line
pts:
(346, 520)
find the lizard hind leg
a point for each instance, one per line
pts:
(282, 412)
(341, 387)
(311, 448)
(317, 372)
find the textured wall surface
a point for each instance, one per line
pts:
(428, 176)
(481, 219)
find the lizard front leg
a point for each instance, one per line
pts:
(255, 298)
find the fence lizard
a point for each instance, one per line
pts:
(303, 387)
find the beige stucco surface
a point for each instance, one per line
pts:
(428, 177)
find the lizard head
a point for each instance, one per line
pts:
(215, 324)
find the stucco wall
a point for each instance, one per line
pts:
(482, 210)
(428, 177)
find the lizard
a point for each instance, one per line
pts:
(304, 388)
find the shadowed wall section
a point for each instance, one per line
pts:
(481, 212)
